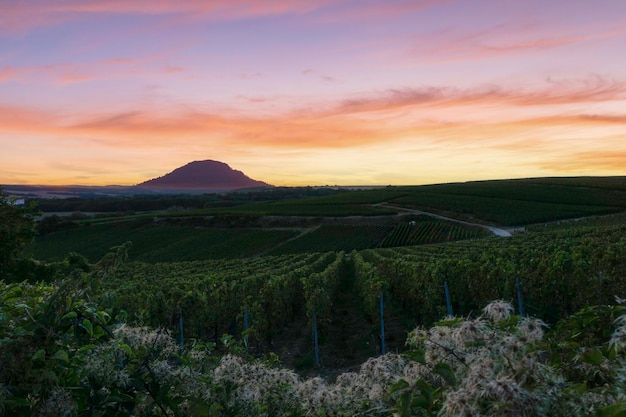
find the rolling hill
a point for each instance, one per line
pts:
(205, 175)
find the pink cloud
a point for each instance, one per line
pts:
(171, 69)
(6, 74)
(16, 17)
(505, 39)
(248, 76)
(23, 119)
(327, 78)
(255, 99)
(379, 11)
(72, 72)
(589, 90)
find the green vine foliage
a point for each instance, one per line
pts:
(64, 355)
(67, 348)
(17, 229)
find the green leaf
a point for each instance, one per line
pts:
(103, 316)
(426, 390)
(99, 332)
(420, 401)
(70, 315)
(417, 355)
(20, 331)
(200, 409)
(127, 349)
(40, 355)
(13, 401)
(577, 389)
(62, 356)
(399, 386)
(613, 410)
(445, 371)
(86, 324)
(593, 356)
(86, 348)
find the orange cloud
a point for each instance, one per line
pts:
(311, 148)
(390, 116)
(589, 161)
(288, 131)
(21, 119)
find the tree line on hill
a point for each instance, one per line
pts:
(185, 201)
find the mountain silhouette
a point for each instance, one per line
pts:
(203, 175)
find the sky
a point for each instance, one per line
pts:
(312, 92)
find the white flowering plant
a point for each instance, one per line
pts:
(63, 355)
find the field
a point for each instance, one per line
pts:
(322, 285)
(153, 242)
(407, 254)
(389, 230)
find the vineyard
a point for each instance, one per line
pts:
(560, 272)
(386, 315)
(219, 320)
(195, 238)
(155, 242)
(213, 296)
(585, 266)
(335, 238)
(429, 231)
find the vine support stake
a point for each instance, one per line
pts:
(382, 323)
(316, 353)
(245, 327)
(520, 303)
(448, 303)
(180, 326)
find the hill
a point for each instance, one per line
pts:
(205, 175)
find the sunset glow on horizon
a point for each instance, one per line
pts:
(312, 92)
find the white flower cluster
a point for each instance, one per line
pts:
(256, 386)
(497, 363)
(58, 404)
(141, 338)
(500, 369)
(491, 365)
(102, 365)
(259, 390)
(618, 339)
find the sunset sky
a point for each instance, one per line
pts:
(312, 92)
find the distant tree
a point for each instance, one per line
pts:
(17, 229)
(53, 223)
